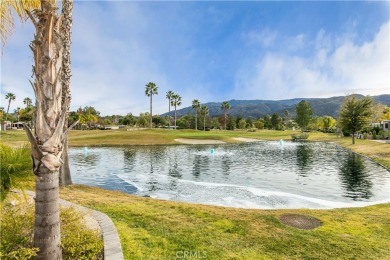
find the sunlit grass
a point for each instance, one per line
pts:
(157, 229)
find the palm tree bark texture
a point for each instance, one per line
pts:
(67, 10)
(48, 140)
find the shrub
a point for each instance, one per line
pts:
(78, 241)
(14, 163)
(365, 136)
(373, 134)
(299, 137)
(381, 135)
(252, 130)
(376, 129)
(17, 227)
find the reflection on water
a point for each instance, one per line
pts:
(197, 164)
(86, 157)
(304, 157)
(226, 165)
(355, 178)
(174, 170)
(249, 175)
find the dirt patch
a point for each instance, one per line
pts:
(199, 141)
(300, 221)
(246, 140)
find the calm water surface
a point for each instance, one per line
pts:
(250, 175)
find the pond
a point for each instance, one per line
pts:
(267, 175)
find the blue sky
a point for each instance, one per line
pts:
(213, 51)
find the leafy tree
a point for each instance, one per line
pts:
(276, 121)
(259, 123)
(186, 121)
(380, 112)
(328, 123)
(150, 90)
(129, 119)
(10, 97)
(215, 123)
(267, 121)
(231, 124)
(169, 96)
(238, 118)
(242, 124)
(143, 119)
(196, 106)
(204, 111)
(26, 114)
(355, 114)
(249, 123)
(225, 106)
(159, 121)
(286, 115)
(385, 113)
(304, 114)
(176, 101)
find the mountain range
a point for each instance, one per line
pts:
(259, 108)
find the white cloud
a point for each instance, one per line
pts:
(348, 68)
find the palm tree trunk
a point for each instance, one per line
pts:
(196, 119)
(353, 138)
(65, 177)
(204, 123)
(169, 114)
(67, 10)
(47, 215)
(48, 141)
(151, 111)
(175, 116)
(225, 119)
(9, 103)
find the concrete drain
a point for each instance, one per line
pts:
(300, 221)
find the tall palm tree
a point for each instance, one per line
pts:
(150, 90)
(27, 101)
(66, 27)
(17, 112)
(176, 101)
(196, 106)
(48, 142)
(169, 97)
(10, 97)
(204, 111)
(51, 111)
(225, 106)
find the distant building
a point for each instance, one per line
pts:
(385, 125)
(7, 125)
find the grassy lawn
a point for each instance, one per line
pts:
(157, 229)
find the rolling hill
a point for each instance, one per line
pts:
(259, 108)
